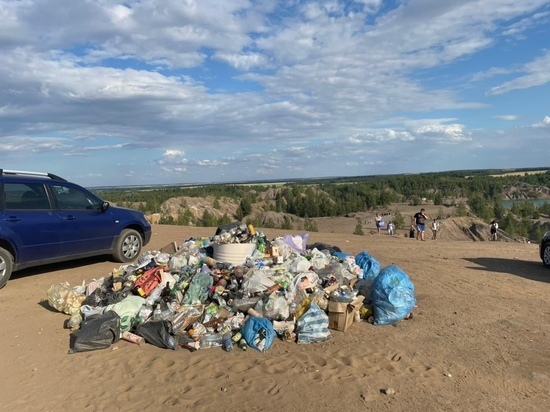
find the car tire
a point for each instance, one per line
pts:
(6, 266)
(128, 246)
(546, 255)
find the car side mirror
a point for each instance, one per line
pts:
(104, 206)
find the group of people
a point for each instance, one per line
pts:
(380, 224)
(420, 219)
(419, 225)
(418, 228)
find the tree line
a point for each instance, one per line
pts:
(478, 193)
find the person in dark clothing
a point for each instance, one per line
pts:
(420, 222)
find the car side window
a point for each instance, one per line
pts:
(72, 198)
(25, 196)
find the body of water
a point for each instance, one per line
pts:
(537, 202)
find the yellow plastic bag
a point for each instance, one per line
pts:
(64, 298)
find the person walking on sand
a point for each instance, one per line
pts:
(420, 222)
(435, 228)
(378, 221)
(493, 229)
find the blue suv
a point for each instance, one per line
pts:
(46, 219)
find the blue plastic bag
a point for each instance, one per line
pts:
(370, 266)
(392, 296)
(312, 326)
(258, 333)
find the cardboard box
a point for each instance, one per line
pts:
(342, 314)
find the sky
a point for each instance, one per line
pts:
(141, 92)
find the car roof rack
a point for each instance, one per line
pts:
(22, 172)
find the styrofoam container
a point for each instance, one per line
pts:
(234, 253)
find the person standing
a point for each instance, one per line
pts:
(493, 229)
(420, 222)
(435, 228)
(378, 221)
(390, 228)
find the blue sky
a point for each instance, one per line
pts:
(188, 91)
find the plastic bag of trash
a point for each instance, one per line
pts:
(127, 310)
(64, 298)
(313, 325)
(176, 262)
(318, 296)
(258, 333)
(198, 289)
(96, 332)
(392, 296)
(257, 280)
(364, 288)
(318, 259)
(304, 281)
(298, 243)
(324, 246)
(274, 308)
(285, 251)
(157, 332)
(370, 266)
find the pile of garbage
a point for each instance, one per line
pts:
(183, 296)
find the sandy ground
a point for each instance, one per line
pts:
(478, 342)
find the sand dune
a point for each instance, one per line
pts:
(478, 341)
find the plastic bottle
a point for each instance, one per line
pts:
(144, 313)
(154, 296)
(227, 343)
(157, 313)
(211, 340)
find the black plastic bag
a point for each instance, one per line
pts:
(324, 246)
(227, 227)
(157, 332)
(96, 332)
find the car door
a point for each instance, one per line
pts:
(85, 227)
(29, 222)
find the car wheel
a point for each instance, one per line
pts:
(546, 255)
(6, 266)
(128, 246)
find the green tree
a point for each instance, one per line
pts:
(287, 224)
(358, 228)
(415, 201)
(461, 210)
(244, 209)
(310, 225)
(209, 219)
(399, 220)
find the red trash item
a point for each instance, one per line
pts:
(148, 281)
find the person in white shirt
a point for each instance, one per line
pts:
(435, 228)
(493, 228)
(378, 221)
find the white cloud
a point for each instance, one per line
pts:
(527, 23)
(173, 153)
(537, 73)
(506, 117)
(294, 81)
(545, 122)
(444, 133)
